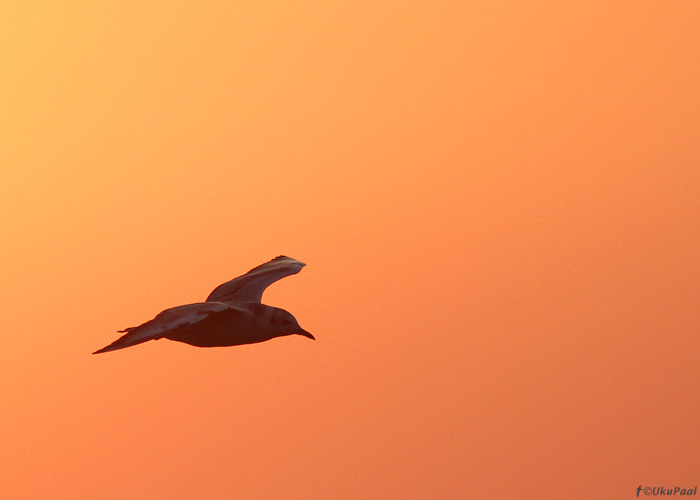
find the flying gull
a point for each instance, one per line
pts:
(231, 315)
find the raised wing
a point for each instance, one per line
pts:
(250, 286)
(165, 322)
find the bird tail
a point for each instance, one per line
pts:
(133, 336)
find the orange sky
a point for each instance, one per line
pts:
(497, 202)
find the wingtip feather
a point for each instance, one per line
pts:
(276, 259)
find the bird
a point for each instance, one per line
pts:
(231, 315)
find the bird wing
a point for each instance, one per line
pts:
(165, 322)
(250, 286)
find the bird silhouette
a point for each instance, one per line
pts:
(231, 315)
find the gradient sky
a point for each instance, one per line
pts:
(498, 203)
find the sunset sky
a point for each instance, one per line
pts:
(499, 208)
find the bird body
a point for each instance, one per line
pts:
(232, 314)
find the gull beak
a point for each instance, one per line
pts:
(305, 334)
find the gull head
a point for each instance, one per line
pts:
(286, 324)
